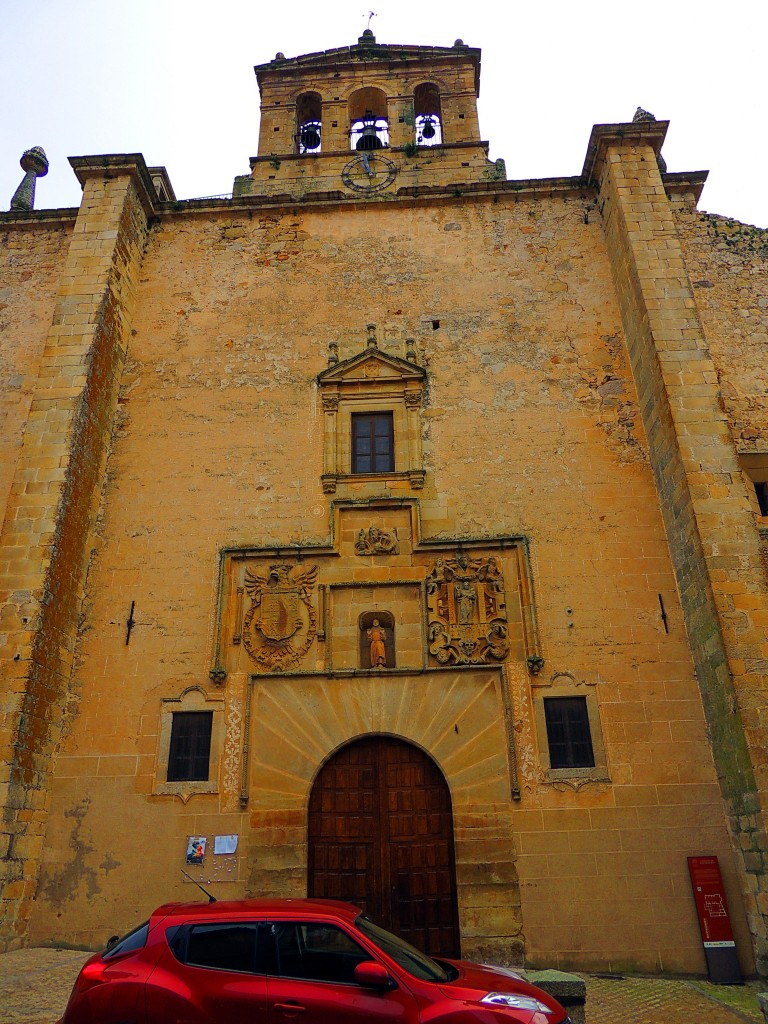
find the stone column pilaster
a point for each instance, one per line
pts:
(47, 535)
(710, 527)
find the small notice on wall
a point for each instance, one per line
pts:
(196, 849)
(224, 844)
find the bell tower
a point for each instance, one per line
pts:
(368, 120)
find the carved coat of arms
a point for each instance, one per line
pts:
(281, 623)
(377, 540)
(467, 615)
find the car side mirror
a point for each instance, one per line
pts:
(373, 975)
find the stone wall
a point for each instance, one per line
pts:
(45, 544)
(32, 257)
(531, 426)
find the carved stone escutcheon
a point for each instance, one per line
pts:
(281, 623)
(377, 540)
(467, 615)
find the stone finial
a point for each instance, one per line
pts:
(35, 165)
(459, 44)
(367, 38)
(371, 341)
(645, 115)
(333, 353)
(410, 350)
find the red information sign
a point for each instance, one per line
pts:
(714, 922)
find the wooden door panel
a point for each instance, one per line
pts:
(381, 836)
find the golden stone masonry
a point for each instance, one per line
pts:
(399, 529)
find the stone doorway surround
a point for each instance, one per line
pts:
(457, 717)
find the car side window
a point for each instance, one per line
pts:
(230, 946)
(316, 952)
(133, 940)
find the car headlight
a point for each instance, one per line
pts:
(515, 1002)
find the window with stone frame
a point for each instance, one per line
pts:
(568, 731)
(372, 407)
(189, 743)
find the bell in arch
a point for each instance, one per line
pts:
(309, 136)
(428, 128)
(368, 138)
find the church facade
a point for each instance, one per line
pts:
(391, 531)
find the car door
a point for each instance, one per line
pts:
(210, 973)
(311, 979)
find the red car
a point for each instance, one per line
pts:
(275, 961)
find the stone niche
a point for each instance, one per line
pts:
(396, 603)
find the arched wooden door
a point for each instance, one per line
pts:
(381, 836)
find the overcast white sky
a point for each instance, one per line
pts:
(173, 79)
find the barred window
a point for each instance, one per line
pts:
(190, 750)
(568, 733)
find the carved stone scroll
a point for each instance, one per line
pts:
(467, 615)
(281, 623)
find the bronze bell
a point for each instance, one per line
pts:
(428, 128)
(309, 136)
(368, 138)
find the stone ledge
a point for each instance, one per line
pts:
(567, 989)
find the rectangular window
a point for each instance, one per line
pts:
(568, 735)
(373, 443)
(761, 490)
(190, 751)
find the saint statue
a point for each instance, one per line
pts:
(465, 601)
(377, 634)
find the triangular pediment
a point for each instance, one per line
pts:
(370, 365)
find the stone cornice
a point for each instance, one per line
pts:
(28, 218)
(524, 188)
(650, 133)
(114, 165)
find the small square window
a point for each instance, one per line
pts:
(373, 443)
(568, 733)
(190, 750)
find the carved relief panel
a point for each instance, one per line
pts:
(281, 622)
(374, 597)
(467, 612)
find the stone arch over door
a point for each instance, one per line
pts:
(380, 832)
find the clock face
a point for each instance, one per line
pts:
(369, 172)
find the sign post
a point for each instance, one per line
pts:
(714, 922)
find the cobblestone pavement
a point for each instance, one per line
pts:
(663, 1001)
(35, 986)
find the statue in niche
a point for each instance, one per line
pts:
(377, 636)
(465, 601)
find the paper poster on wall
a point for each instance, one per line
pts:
(196, 849)
(224, 844)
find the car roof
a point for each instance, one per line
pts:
(273, 908)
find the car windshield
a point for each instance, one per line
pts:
(403, 953)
